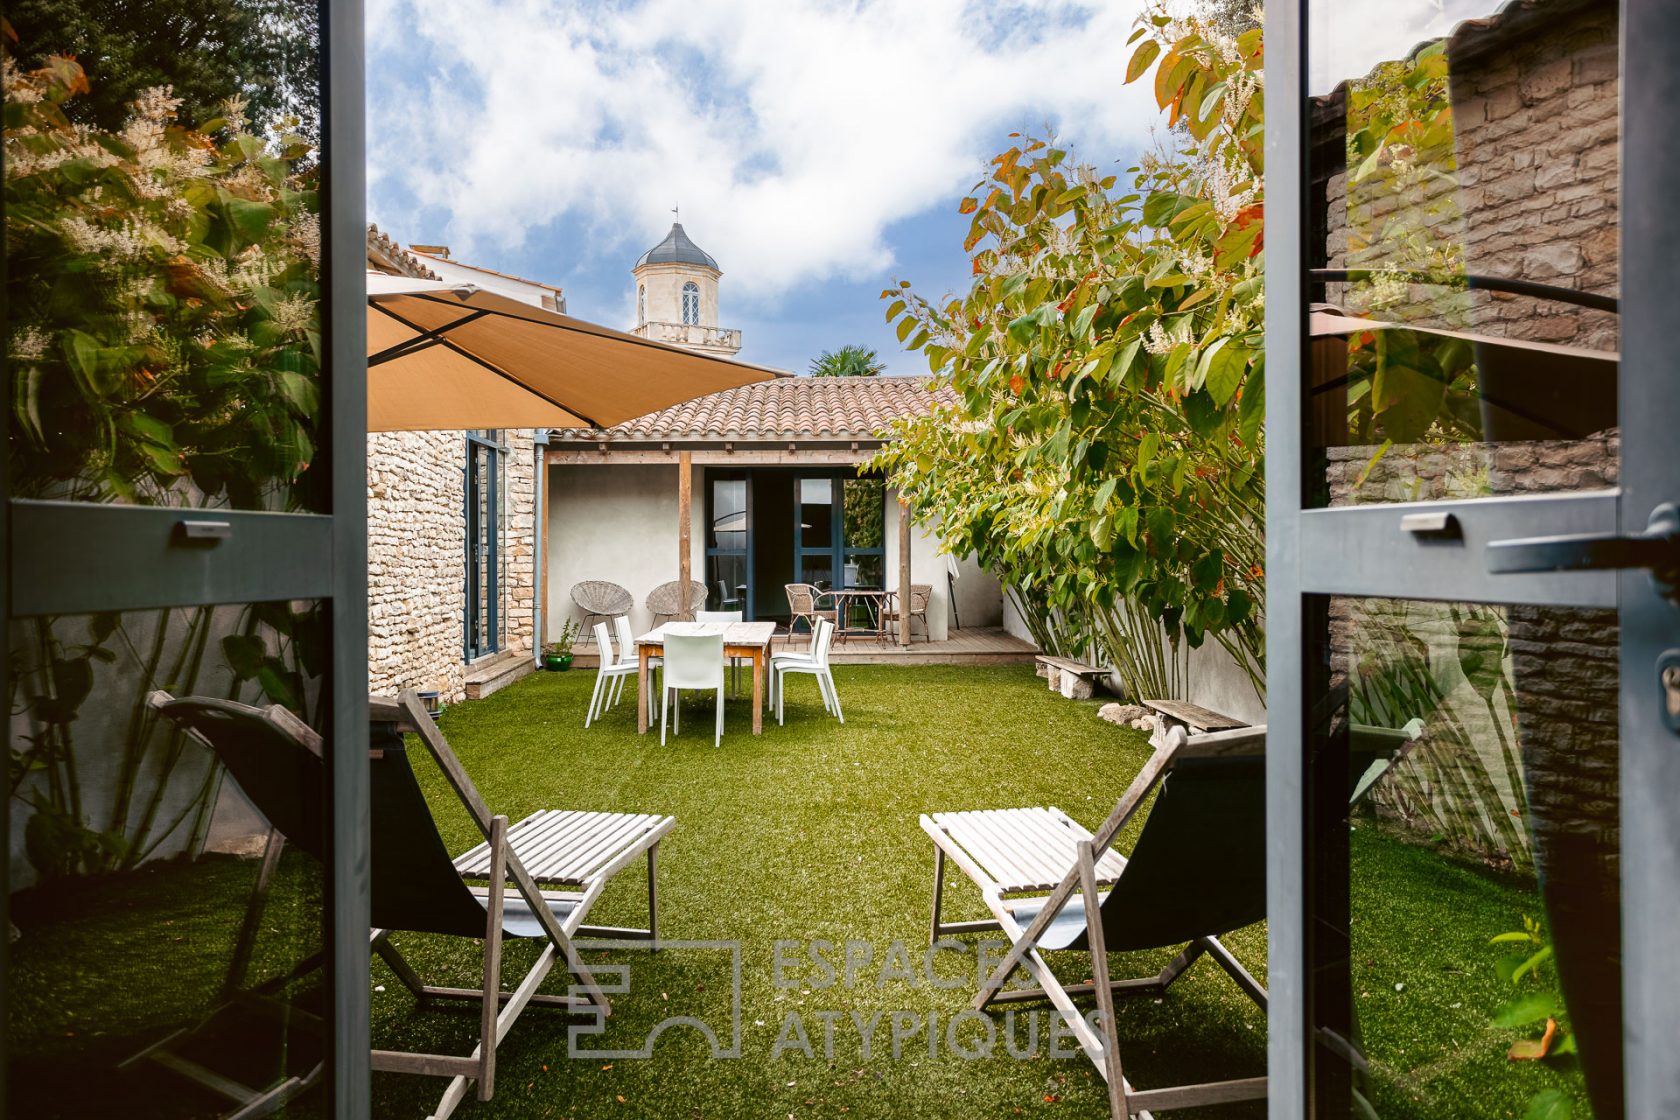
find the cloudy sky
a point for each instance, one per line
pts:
(818, 148)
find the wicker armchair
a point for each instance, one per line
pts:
(600, 601)
(665, 601)
(920, 595)
(805, 601)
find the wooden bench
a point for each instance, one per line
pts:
(1193, 717)
(1072, 679)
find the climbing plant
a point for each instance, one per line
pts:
(1103, 451)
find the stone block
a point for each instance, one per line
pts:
(1074, 686)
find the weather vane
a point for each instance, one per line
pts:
(678, 212)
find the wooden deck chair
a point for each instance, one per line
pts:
(247, 740)
(1198, 871)
(417, 887)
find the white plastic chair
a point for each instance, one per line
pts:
(815, 663)
(608, 677)
(627, 656)
(692, 661)
(734, 662)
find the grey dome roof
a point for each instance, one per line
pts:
(677, 249)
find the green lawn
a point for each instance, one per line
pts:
(810, 832)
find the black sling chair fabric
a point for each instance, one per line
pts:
(280, 752)
(415, 885)
(1198, 870)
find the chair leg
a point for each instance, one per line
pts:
(653, 897)
(676, 711)
(664, 706)
(717, 740)
(938, 890)
(594, 697)
(490, 1006)
(834, 694)
(1099, 978)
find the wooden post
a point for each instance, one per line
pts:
(685, 520)
(903, 574)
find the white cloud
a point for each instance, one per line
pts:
(1348, 38)
(792, 133)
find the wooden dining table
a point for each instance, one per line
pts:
(749, 641)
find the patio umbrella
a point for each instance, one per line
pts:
(446, 356)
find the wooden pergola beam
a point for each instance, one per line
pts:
(904, 574)
(685, 520)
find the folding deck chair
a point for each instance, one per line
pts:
(277, 739)
(417, 887)
(1198, 870)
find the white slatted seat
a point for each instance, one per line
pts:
(572, 847)
(1021, 850)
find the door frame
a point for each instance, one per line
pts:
(1363, 551)
(485, 567)
(73, 558)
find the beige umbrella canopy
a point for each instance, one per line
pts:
(445, 357)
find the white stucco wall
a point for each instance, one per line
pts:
(524, 291)
(979, 599)
(619, 523)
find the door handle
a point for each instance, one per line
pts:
(1657, 548)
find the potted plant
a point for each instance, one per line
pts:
(557, 655)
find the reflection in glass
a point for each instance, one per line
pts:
(864, 512)
(141, 871)
(163, 263)
(1463, 242)
(726, 583)
(1444, 971)
(818, 569)
(729, 514)
(816, 512)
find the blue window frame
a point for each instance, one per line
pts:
(485, 453)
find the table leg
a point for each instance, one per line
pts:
(642, 656)
(758, 691)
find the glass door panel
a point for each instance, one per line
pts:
(728, 546)
(1468, 385)
(1479, 745)
(1462, 251)
(185, 436)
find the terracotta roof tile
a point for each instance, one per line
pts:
(791, 408)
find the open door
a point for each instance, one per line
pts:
(1471, 417)
(185, 510)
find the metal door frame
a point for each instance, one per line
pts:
(59, 555)
(1362, 551)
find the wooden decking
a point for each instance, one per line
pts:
(969, 646)
(972, 646)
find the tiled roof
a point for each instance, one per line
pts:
(385, 255)
(789, 408)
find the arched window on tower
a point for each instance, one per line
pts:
(691, 303)
(641, 304)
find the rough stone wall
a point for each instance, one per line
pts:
(518, 546)
(1538, 162)
(1559, 667)
(1529, 192)
(417, 558)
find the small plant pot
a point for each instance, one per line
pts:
(557, 663)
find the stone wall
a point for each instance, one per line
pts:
(417, 558)
(1529, 190)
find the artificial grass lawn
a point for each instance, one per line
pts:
(810, 832)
